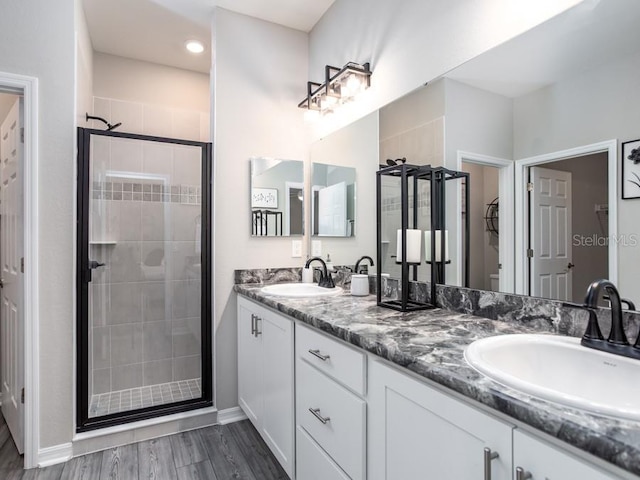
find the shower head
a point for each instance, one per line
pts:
(109, 126)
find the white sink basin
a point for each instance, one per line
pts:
(561, 370)
(300, 290)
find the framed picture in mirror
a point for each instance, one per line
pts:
(631, 169)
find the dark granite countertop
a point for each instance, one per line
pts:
(431, 343)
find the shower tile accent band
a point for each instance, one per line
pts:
(147, 192)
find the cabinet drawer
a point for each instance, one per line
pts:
(312, 463)
(337, 422)
(333, 358)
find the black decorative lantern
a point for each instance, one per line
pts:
(422, 189)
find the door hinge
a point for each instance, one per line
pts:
(22, 395)
(21, 134)
(21, 264)
(529, 187)
(530, 253)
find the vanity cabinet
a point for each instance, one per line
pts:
(544, 462)
(415, 431)
(265, 377)
(331, 413)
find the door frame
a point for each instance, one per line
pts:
(28, 88)
(521, 204)
(506, 239)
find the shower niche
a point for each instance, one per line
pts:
(144, 277)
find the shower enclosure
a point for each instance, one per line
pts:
(143, 277)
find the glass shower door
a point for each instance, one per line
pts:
(144, 319)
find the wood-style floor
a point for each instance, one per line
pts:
(221, 452)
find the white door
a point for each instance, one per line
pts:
(11, 251)
(332, 210)
(550, 236)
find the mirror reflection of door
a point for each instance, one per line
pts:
(568, 226)
(295, 210)
(483, 231)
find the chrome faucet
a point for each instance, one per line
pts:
(617, 342)
(326, 280)
(364, 257)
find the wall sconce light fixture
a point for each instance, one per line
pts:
(340, 86)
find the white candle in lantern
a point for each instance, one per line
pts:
(427, 244)
(414, 246)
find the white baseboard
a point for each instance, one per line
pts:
(230, 415)
(56, 454)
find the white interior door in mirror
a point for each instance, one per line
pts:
(550, 237)
(332, 210)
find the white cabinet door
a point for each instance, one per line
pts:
(546, 462)
(265, 377)
(249, 366)
(417, 432)
(277, 386)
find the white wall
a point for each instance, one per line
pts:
(589, 108)
(38, 40)
(259, 69)
(84, 66)
(150, 83)
(411, 42)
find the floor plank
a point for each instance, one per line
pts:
(53, 472)
(197, 471)
(86, 467)
(261, 461)
(120, 463)
(155, 460)
(226, 457)
(10, 459)
(188, 448)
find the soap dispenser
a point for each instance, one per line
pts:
(329, 263)
(307, 274)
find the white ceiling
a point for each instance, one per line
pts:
(589, 35)
(156, 30)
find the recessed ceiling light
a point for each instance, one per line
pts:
(194, 46)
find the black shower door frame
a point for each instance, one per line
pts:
(83, 276)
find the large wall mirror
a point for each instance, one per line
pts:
(552, 108)
(333, 200)
(277, 197)
(337, 161)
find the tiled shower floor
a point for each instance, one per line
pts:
(140, 397)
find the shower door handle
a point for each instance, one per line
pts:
(92, 266)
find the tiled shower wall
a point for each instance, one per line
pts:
(145, 227)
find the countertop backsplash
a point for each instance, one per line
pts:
(525, 310)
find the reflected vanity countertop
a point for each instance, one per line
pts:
(431, 344)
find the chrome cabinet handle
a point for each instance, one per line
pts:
(521, 474)
(316, 413)
(488, 457)
(316, 353)
(253, 324)
(258, 319)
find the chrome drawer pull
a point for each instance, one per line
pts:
(316, 413)
(521, 474)
(253, 324)
(316, 353)
(488, 457)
